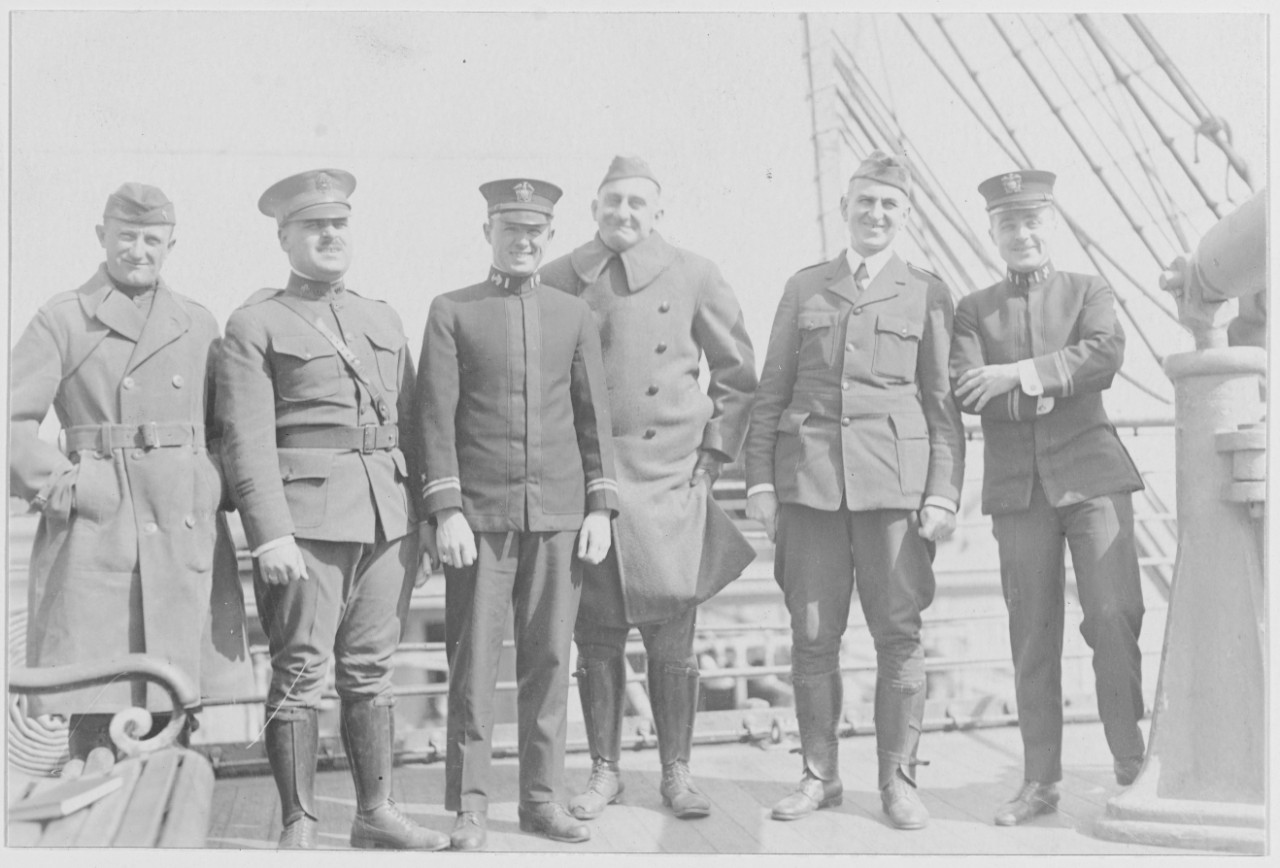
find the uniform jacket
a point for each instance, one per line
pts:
(97, 358)
(278, 373)
(660, 311)
(1067, 324)
(513, 412)
(854, 403)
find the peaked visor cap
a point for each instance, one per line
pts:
(521, 200)
(139, 203)
(309, 195)
(1025, 188)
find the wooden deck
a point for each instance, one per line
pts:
(971, 772)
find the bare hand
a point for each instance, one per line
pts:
(936, 523)
(428, 557)
(706, 471)
(763, 507)
(455, 542)
(595, 537)
(282, 564)
(984, 383)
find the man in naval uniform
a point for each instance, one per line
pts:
(124, 557)
(519, 481)
(661, 310)
(855, 433)
(314, 385)
(1032, 355)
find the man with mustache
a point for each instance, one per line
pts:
(314, 389)
(1032, 355)
(661, 310)
(854, 465)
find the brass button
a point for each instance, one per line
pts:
(857, 310)
(137, 454)
(846, 421)
(652, 390)
(904, 332)
(189, 521)
(177, 381)
(848, 347)
(649, 434)
(664, 307)
(150, 527)
(845, 385)
(661, 347)
(128, 383)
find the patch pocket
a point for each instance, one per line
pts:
(897, 346)
(789, 450)
(818, 340)
(386, 351)
(911, 436)
(96, 492)
(305, 473)
(306, 367)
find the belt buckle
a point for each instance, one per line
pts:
(370, 439)
(150, 435)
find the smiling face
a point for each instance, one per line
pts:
(626, 211)
(518, 239)
(1022, 236)
(874, 213)
(319, 248)
(135, 251)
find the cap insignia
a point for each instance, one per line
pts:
(322, 182)
(524, 191)
(1011, 182)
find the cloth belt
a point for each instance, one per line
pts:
(366, 438)
(152, 435)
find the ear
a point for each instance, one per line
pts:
(595, 210)
(172, 241)
(551, 233)
(280, 232)
(657, 216)
(844, 208)
(102, 235)
(488, 232)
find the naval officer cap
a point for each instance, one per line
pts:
(629, 167)
(891, 169)
(309, 196)
(139, 203)
(521, 200)
(1026, 188)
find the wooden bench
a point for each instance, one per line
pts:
(167, 791)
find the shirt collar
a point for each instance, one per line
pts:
(875, 262)
(514, 283)
(309, 287)
(1024, 279)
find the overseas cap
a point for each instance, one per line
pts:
(891, 169)
(1028, 188)
(139, 203)
(521, 200)
(629, 167)
(309, 195)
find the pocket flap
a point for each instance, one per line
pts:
(305, 464)
(791, 420)
(302, 346)
(819, 320)
(386, 340)
(398, 458)
(900, 326)
(908, 426)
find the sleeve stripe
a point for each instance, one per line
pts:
(442, 484)
(597, 484)
(1068, 383)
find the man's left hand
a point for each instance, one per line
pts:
(982, 384)
(595, 537)
(428, 555)
(936, 523)
(707, 470)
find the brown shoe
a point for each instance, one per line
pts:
(551, 820)
(469, 830)
(902, 803)
(811, 795)
(1032, 800)
(603, 790)
(299, 834)
(1127, 769)
(680, 794)
(387, 828)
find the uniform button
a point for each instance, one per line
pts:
(846, 421)
(150, 527)
(189, 521)
(128, 383)
(660, 348)
(306, 354)
(137, 454)
(845, 385)
(177, 381)
(664, 307)
(348, 337)
(857, 310)
(848, 347)
(904, 332)
(652, 390)
(649, 434)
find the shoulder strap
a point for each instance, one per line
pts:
(353, 363)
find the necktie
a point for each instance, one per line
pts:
(860, 277)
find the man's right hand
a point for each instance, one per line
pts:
(454, 539)
(763, 507)
(282, 564)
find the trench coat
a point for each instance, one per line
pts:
(111, 514)
(661, 310)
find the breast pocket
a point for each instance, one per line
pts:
(306, 367)
(386, 352)
(818, 338)
(897, 346)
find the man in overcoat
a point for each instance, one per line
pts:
(855, 460)
(661, 310)
(124, 556)
(1032, 355)
(314, 385)
(519, 465)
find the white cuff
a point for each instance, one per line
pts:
(1043, 406)
(271, 544)
(942, 503)
(1030, 378)
(760, 488)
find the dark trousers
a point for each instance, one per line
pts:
(1100, 533)
(539, 575)
(352, 605)
(665, 642)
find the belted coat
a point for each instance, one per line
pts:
(112, 513)
(661, 310)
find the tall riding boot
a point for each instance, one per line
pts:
(819, 702)
(602, 686)
(899, 715)
(369, 739)
(292, 738)
(673, 693)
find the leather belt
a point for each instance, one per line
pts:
(365, 438)
(151, 435)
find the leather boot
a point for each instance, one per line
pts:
(899, 716)
(601, 686)
(819, 701)
(673, 693)
(369, 739)
(292, 738)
